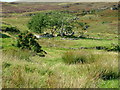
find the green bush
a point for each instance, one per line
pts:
(55, 21)
(4, 26)
(9, 29)
(114, 47)
(28, 41)
(72, 57)
(12, 30)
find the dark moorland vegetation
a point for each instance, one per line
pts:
(59, 45)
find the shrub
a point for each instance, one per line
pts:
(9, 29)
(28, 41)
(72, 57)
(4, 26)
(114, 47)
(12, 30)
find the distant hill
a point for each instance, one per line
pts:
(68, 0)
(22, 7)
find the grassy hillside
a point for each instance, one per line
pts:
(69, 62)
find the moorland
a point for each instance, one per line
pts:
(78, 42)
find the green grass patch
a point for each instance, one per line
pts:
(109, 84)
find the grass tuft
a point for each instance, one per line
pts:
(73, 57)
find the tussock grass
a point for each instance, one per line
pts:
(102, 64)
(82, 56)
(42, 73)
(109, 66)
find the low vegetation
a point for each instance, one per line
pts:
(41, 72)
(59, 45)
(73, 57)
(9, 29)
